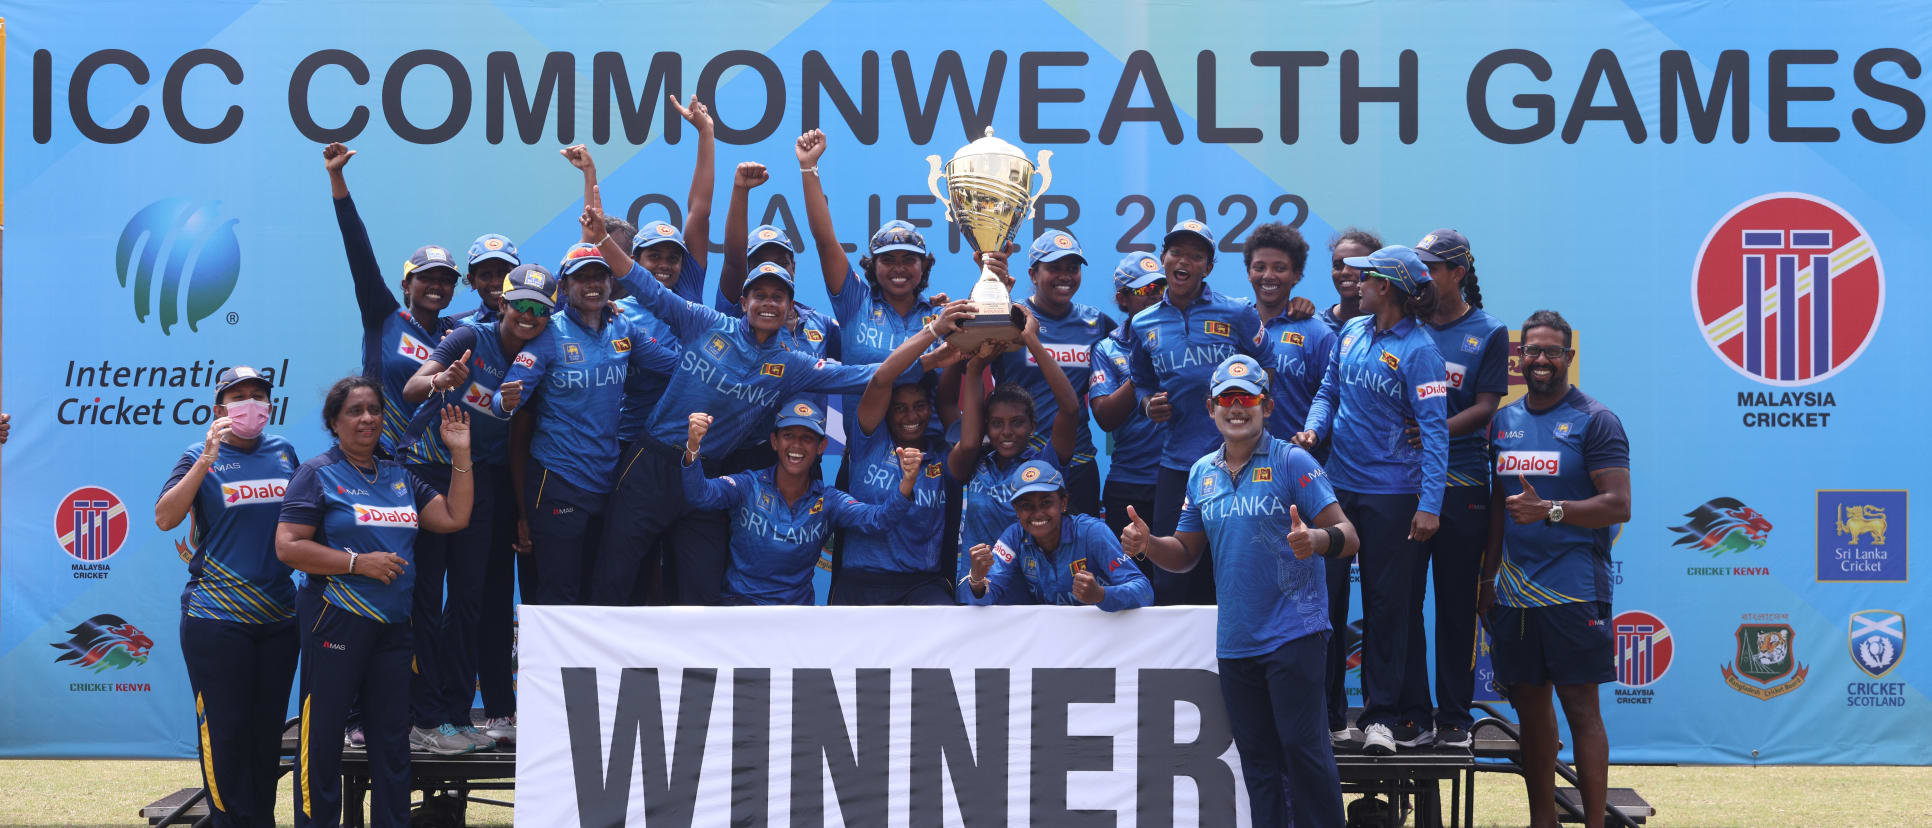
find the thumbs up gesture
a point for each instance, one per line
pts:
(1133, 536)
(1299, 538)
(1526, 506)
(1086, 589)
(454, 375)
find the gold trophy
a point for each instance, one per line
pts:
(989, 180)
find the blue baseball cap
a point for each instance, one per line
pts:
(578, 256)
(1034, 476)
(1240, 373)
(1054, 245)
(898, 234)
(769, 234)
(1396, 263)
(658, 232)
(494, 246)
(1445, 245)
(770, 270)
(231, 377)
(1191, 227)
(801, 412)
(1138, 270)
(530, 281)
(429, 257)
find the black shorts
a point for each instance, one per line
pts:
(1561, 644)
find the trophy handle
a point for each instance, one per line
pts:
(1046, 180)
(932, 183)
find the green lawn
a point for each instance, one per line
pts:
(37, 793)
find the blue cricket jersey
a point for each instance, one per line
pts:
(489, 431)
(1375, 381)
(1070, 339)
(642, 389)
(1176, 350)
(1475, 357)
(351, 513)
(1301, 350)
(909, 545)
(816, 334)
(577, 375)
(233, 574)
(1267, 596)
(394, 344)
(1023, 573)
(775, 544)
(987, 499)
(1135, 447)
(1555, 563)
(869, 330)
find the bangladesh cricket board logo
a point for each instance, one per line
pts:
(104, 642)
(91, 523)
(1877, 640)
(1766, 665)
(1788, 289)
(190, 250)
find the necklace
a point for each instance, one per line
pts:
(371, 478)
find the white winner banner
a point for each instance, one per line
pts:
(873, 716)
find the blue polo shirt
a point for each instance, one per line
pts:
(1545, 564)
(1377, 380)
(1267, 596)
(909, 545)
(489, 431)
(394, 344)
(642, 389)
(233, 574)
(1023, 573)
(1475, 358)
(1176, 349)
(987, 499)
(775, 544)
(352, 513)
(1135, 447)
(869, 329)
(1070, 338)
(1300, 351)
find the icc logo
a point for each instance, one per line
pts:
(1788, 289)
(1643, 648)
(188, 248)
(92, 523)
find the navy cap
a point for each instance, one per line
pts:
(1240, 373)
(1034, 476)
(658, 232)
(1054, 245)
(578, 256)
(1138, 270)
(530, 281)
(898, 234)
(769, 234)
(1396, 263)
(493, 246)
(1191, 227)
(230, 377)
(1445, 245)
(801, 412)
(429, 257)
(770, 270)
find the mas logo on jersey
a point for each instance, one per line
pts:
(1721, 526)
(1861, 536)
(104, 642)
(1766, 664)
(186, 244)
(1877, 640)
(1643, 652)
(1788, 289)
(91, 524)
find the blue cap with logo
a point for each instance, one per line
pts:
(1054, 245)
(658, 232)
(801, 412)
(1396, 263)
(530, 281)
(494, 246)
(770, 270)
(898, 234)
(769, 234)
(1194, 228)
(1034, 476)
(231, 377)
(428, 257)
(1445, 245)
(1138, 270)
(579, 256)
(1238, 373)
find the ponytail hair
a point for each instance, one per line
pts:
(1471, 293)
(1422, 305)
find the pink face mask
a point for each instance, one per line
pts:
(247, 418)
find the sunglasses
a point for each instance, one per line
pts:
(1237, 399)
(1146, 290)
(1552, 352)
(531, 306)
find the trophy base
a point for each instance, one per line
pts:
(977, 330)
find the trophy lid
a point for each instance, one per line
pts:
(989, 145)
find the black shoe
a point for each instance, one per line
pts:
(1411, 735)
(1452, 736)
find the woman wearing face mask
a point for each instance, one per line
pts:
(350, 520)
(396, 338)
(238, 635)
(1347, 244)
(1051, 557)
(467, 369)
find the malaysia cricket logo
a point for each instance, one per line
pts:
(91, 524)
(1723, 525)
(1877, 641)
(1788, 289)
(105, 642)
(1643, 648)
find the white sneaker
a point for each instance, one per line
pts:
(476, 737)
(1338, 738)
(443, 741)
(503, 729)
(1378, 741)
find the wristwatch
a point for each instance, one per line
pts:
(1556, 512)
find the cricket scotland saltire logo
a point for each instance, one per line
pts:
(104, 642)
(1877, 640)
(190, 249)
(1723, 525)
(1788, 289)
(1766, 665)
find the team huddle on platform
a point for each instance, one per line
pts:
(599, 434)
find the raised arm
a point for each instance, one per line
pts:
(178, 495)
(877, 399)
(697, 205)
(687, 319)
(703, 492)
(373, 298)
(832, 260)
(451, 513)
(1111, 393)
(579, 156)
(1066, 430)
(972, 420)
(731, 277)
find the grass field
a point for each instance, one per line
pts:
(45, 793)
